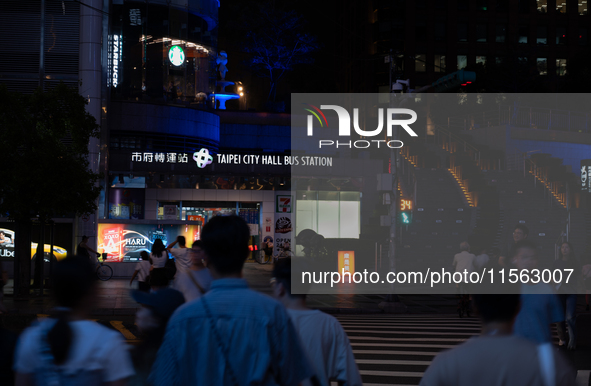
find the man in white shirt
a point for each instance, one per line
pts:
(496, 357)
(182, 254)
(321, 335)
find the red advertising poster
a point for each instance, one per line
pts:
(110, 242)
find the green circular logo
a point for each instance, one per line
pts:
(176, 55)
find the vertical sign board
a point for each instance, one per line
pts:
(283, 225)
(586, 175)
(347, 262)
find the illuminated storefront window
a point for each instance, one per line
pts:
(330, 214)
(159, 53)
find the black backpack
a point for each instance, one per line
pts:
(170, 268)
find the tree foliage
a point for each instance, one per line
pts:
(276, 41)
(44, 157)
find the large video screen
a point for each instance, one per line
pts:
(124, 242)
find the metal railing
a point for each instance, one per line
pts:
(525, 117)
(553, 190)
(451, 143)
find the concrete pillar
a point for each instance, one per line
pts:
(90, 74)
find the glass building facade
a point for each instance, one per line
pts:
(160, 53)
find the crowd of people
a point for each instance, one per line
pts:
(208, 328)
(205, 328)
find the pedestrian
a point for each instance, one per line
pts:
(159, 256)
(84, 250)
(195, 281)
(142, 271)
(464, 264)
(540, 307)
(231, 335)
(520, 232)
(496, 357)
(182, 255)
(66, 348)
(151, 320)
(322, 336)
(567, 293)
(481, 260)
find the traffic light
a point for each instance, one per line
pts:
(454, 80)
(405, 211)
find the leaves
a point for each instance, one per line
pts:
(44, 139)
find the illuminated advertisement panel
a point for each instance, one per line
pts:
(124, 242)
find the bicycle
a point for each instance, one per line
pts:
(103, 271)
(283, 253)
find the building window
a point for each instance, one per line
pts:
(463, 5)
(462, 61)
(542, 6)
(583, 7)
(482, 5)
(542, 35)
(560, 35)
(324, 213)
(523, 6)
(462, 32)
(502, 5)
(582, 36)
(421, 32)
(542, 65)
(499, 60)
(439, 63)
(481, 33)
(420, 65)
(560, 67)
(440, 4)
(501, 33)
(522, 35)
(481, 60)
(439, 31)
(561, 6)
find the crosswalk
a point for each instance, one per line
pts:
(398, 349)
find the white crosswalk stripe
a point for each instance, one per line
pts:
(396, 350)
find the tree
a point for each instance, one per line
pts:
(276, 41)
(45, 167)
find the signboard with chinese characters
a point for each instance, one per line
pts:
(586, 175)
(203, 158)
(346, 262)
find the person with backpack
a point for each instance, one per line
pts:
(159, 257)
(67, 348)
(142, 268)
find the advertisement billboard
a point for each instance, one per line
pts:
(124, 242)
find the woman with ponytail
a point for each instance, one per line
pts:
(66, 348)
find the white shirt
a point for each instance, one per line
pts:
(464, 261)
(480, 261)
(94, 348)
(143, 267)
(327, 346)
(182, 257)
(159, 261)
(184, 283)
